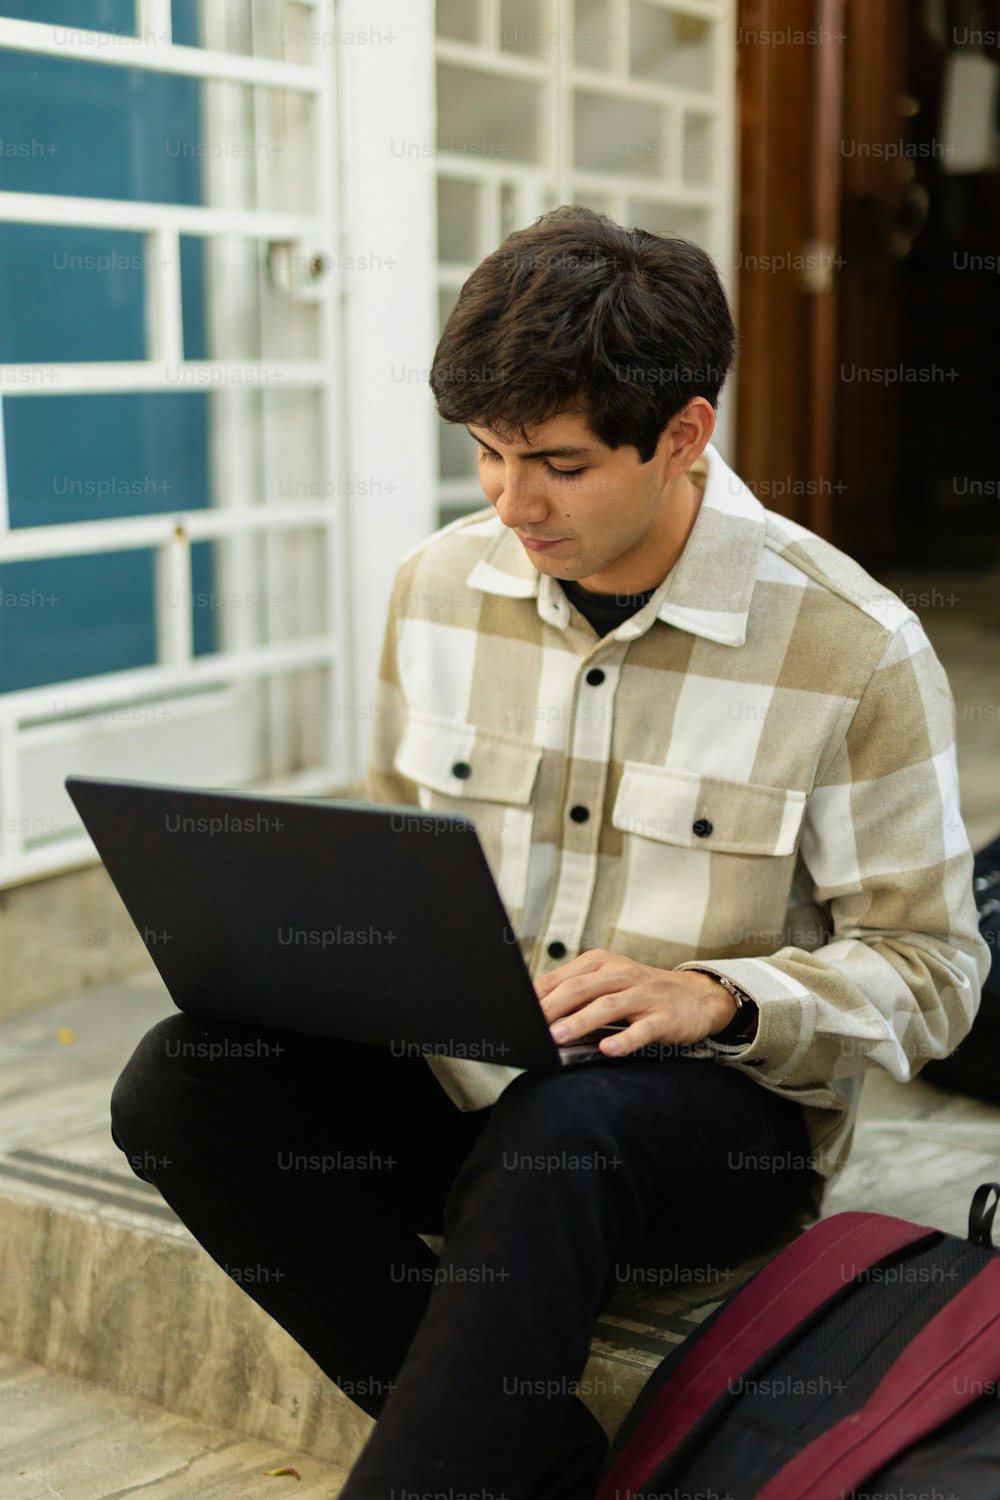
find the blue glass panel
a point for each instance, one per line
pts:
(193, 297)
(87, 130)
(87, 458)
(105, 601)
(206, 598)
(76, 15)
(81, 294)
(185, 23)
(83, 129)
(48, 609)
(102, 15)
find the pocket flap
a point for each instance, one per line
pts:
(733, 817)
(462, 760)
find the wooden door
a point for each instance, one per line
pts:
(822, 87)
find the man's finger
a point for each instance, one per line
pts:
(576, 991)
(602, 1009)
(586, 962)
(641, 1033)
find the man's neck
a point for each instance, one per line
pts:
(640, 575)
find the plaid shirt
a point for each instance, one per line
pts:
(754, 774)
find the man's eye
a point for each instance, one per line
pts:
(485, 454)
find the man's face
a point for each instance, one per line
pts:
(584, 511)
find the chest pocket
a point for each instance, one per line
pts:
(706, 812)
(708, 863)
(488, 777)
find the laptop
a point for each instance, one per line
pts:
(368, 922)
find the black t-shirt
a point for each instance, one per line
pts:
(604, 611)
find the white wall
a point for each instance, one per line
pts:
(388, 212)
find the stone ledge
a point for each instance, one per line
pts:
(149, 1314)
(115, 1291)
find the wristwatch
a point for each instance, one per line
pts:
(746, 1011)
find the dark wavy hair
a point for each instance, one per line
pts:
(576, 313)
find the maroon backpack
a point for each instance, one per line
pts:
(862, 1361)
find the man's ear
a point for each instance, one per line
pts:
(686, 436)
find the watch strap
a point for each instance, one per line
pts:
(746, 1010)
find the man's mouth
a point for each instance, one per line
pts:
(541, 544)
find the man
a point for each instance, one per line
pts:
(711, 762)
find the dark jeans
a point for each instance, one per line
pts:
(308, 1167)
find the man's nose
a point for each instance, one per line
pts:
(522, 500)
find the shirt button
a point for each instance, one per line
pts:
(579, 814)
(556, 950)
(702, 828)
(461, 769)
(595, 676)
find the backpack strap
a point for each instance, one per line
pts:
(781, 1295)
(981, 1217)
(916, 1396)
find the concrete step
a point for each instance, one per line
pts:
(66, 1439)
(100, 1281)
(103, 1282)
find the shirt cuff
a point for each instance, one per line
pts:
(768, 1047)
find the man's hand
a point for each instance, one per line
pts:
(663, 1005)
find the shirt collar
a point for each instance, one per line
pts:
(707, 591)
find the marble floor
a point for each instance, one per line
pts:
(67, 1439)
(961, 615)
